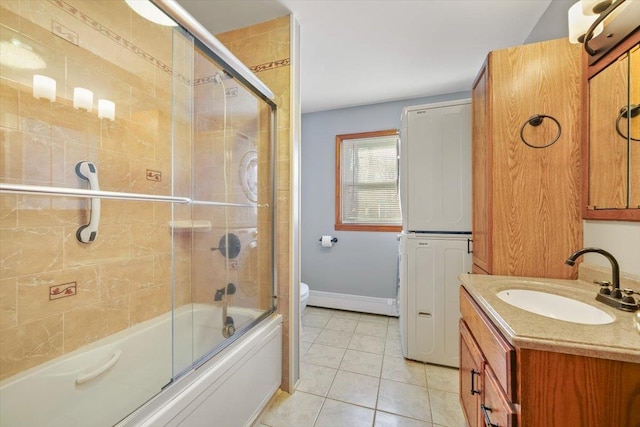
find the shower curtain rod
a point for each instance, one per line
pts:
(182, 17)
(38, 190)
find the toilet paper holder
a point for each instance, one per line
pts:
(334, 240)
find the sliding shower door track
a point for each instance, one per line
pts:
(38, 190)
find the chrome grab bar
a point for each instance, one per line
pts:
(87, 233)
(38, 190)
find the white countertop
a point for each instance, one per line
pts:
(617, 340)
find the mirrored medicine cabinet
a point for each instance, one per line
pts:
(612, 136)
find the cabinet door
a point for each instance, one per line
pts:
(471, 365)
(537, 216)
(481, 177)
(495, 409)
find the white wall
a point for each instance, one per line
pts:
(620, 238)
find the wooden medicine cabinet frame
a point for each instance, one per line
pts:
(588, 211)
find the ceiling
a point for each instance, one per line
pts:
(359, 52)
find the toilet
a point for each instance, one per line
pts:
(304, 296)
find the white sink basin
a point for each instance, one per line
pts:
(555, 306)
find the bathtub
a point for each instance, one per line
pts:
(116, 377)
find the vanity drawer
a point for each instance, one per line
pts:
(500, 355)
(495, 409)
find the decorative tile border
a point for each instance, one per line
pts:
(271, 65)
(97, 26)
(67, 34)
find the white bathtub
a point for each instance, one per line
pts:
(100, 384)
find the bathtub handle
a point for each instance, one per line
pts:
(100, 370)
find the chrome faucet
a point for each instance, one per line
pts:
(615, 270)
(614, 296)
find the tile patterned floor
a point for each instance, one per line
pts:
(352, 374)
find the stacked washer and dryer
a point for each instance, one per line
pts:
(435, 199)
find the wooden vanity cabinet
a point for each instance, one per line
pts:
(531, 388)
(487, 369)
(526, 201)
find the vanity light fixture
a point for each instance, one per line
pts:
(150, 12)
(579, 23)
(82, 99)
(44, 87)
(106, 109)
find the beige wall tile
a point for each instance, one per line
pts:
(33, 293)
(149, 303)
(27, 251)
(8, 103)
(113, 243)
(31, 344)
(89, 324)
(8, 211)
(122, 278)
(8, 303)
(11, 155)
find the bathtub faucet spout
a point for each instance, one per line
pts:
(229, 290)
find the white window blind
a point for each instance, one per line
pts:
(369, 181)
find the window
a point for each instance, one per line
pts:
(367, 181)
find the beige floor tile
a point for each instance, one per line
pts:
(403, 370)
(342, 324)
(347, 314)
(315, 379)
(362, 362)
(371, 328)
(319, 311)
(384, 419)
(309, 333)
(393, 347)
(446, 409)
(324, 355)
(443, 378)
(354, 388)
(375, 318)
(304, 347)
(404, 399)
(297, 410)
(334, 414)
(334, 338)
(314, 320)
(367, 343)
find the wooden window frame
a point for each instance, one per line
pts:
(339, 225)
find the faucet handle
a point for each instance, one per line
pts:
(604, 286)
(627, 297)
